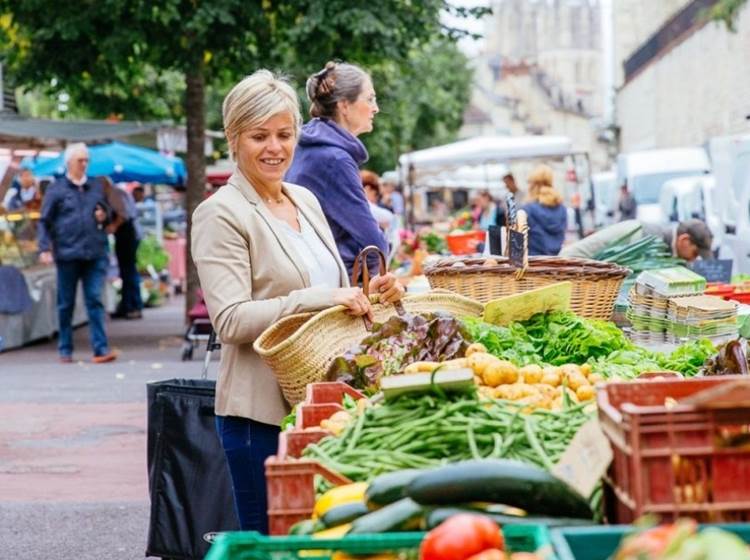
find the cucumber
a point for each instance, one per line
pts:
(390, 487)
(438, 515)
(393, 517)
(305, 527)
(511, 483)
(345, 513)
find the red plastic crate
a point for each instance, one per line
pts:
(675, 461)
(291, 480)
(465, 243)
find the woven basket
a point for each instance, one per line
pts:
(595, 284)
(300, 348)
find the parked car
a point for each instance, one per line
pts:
(646, 171)
(730, 158)
(606, 194)
(692, 197)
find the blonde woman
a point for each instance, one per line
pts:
(547, 217)
(263, 250)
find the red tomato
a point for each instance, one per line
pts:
(460, 537)
(490, 554)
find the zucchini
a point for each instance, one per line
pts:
(345, 513)
(438, 515)
(393, 517)
(305, 527)
(501, 481)
(390, 487)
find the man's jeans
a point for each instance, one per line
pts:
(92, 273)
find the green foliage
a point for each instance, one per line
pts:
(726, 11)
(150, 252)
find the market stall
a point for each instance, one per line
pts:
(511, 420)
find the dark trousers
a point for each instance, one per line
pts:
(126, 246)
(247, 444)
(92, 273)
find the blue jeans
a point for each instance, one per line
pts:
(247, 444)
(92, 273)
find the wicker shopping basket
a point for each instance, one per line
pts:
(299, 348)
(595, 284)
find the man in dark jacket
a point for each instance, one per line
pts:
(74, 214)
(326, 162)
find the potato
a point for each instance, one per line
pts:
(586, 369)
(531, 373)
(595, 378)
(585, 393)
(551, 376)
(576, 380)
(417, 367)
(474, 348)
(500, 372)
(548, 391)
(456, 363)
(570, 369)
(479, 361)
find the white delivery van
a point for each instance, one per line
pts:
(730, 159)
(605, 198)
(692, 197)
(645, 172)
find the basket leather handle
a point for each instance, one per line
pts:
(360, 265)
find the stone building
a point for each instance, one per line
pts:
(681, 79)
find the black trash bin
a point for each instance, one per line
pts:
(189, 482)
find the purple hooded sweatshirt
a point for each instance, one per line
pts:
(327, 162)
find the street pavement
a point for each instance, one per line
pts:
(73, 480)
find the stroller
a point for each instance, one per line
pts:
(199, 328)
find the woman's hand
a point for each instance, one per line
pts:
(355, 300)
(389, 288)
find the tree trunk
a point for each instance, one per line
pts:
(195, 107)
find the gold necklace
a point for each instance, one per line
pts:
(279, 200)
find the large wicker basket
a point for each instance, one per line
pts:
(300, 348)
(595, 284)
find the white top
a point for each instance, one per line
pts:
(316, 258)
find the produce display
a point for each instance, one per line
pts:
(682, 540)
(418, 432)
(395, 344)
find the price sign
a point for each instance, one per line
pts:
(586, 459)
(517, 248)
(713, 270)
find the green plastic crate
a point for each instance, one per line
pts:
(599, 543)
(253, 546)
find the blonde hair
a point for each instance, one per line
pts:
(256, 99)
(541, 176)
(549, 196)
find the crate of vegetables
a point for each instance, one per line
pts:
(681, 447)
(684, 539)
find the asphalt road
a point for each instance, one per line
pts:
(73, 480)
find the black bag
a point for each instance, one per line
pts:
(189, 482)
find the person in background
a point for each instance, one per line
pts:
(343, 106)
(627, 206)
(487, 211)
(688, 240)
(127, 238)
(23, 193)
(502, 206)
(371, 185)
(263, 250)
(391, 198)
(547, 216)
(73, 217)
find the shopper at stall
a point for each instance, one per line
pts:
(74, 215)
(343, 106)
(488, 211)
(688, 240)
(391, 198)
(626, 205)
(384, 217)
(263, 250)
(547, 216)
(23, 192)
(127, 238)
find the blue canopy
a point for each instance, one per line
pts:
(121, 162)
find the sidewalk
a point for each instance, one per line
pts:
(73, 480)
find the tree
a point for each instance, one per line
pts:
(108, 53)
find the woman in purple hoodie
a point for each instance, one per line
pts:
(328, 156)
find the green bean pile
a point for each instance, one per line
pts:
(426, 431)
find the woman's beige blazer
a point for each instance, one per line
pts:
(251, 277)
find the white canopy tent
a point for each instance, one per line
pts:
(479, 162)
